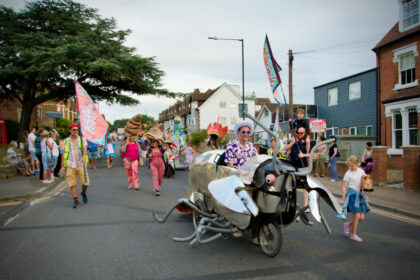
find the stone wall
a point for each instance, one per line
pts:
(8, 170)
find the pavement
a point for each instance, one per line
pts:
(393, 198)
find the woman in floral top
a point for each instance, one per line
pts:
(239, 150)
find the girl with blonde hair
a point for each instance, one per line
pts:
(354, 201)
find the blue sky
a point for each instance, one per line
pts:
(334, 39)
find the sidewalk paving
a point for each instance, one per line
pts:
(398, 200)
(24, 187)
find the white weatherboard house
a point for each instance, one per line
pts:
(223, 105)
(266, 116)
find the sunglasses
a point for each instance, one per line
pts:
(246, 132)
(301, 133)
(75, 129)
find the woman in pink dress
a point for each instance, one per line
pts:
(132, 158)
(157, 166)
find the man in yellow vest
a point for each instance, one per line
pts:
(74, 163)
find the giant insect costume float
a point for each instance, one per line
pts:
(261, 194)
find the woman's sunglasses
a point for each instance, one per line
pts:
(246, 132)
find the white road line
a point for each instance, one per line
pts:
(10, 220)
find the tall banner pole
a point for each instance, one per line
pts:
(80, 131)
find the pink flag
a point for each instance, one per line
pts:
(93, 126)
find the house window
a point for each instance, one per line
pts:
(332, 96)
(233, 120)
(354, 90)
(398, 133)
(265, 112)
(413, 126)
(361, 130)
(353, 131)
(332, 131)
(410, 13)
(343, 131)
(233, 105)
(222, 104)
(407, 69)
(369, 130)
(405, 57)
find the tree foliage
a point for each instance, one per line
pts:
(198, 137)
(120, 123)
(44, 47)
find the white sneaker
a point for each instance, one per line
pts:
(45, 181)
(332, 180)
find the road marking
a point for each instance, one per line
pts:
(48, 197)
(10, 220)
(398, 217)
(12, 203)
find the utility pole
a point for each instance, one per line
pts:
(290, 84)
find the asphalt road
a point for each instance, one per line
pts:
(114, 236)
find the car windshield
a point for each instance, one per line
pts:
(247, 170)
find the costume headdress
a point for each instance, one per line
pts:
(216, 129)
(133, 125)
(155, 133)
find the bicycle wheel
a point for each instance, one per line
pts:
(270, 238)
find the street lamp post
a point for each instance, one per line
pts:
(243, 79)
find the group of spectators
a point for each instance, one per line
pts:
(45, 148)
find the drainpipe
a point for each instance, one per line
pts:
(378, 100)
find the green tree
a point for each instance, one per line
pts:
(120, 123)
(47, 45)
(147, 119)
(198, 137)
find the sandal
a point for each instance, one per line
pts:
(356, 238)
(346, 230)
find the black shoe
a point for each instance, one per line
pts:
(85, 200)
(76, 204)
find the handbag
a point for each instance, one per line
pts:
(367, 184)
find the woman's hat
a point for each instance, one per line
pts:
(156, 134)
(241, 124)
(55, 131)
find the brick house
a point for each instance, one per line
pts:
(12, 109)
(398, 65)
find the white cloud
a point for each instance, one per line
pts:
(176, 32)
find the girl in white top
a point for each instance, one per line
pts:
(353, 197)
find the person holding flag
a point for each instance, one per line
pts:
(74, 163)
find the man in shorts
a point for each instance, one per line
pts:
(74, 163)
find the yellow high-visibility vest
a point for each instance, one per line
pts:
(67, 150)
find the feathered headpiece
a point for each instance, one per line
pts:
(216, 129)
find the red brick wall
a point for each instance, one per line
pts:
(411, 177)
(388, 71)
(9, 110)
(395, 161)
